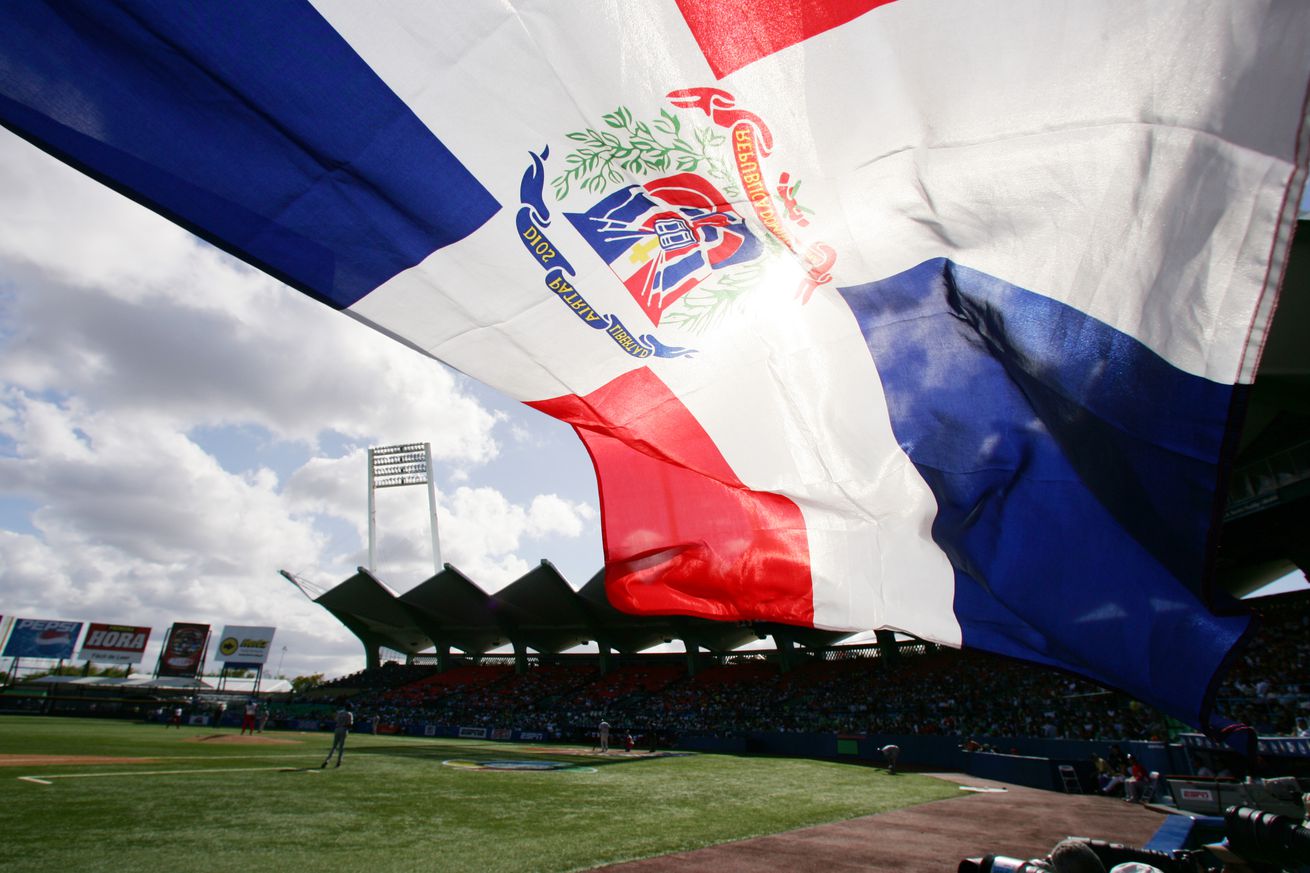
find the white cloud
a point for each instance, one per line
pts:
(552, 514)
(482, 533)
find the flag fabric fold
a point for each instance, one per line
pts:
(872, 313)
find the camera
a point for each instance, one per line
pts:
(1263, 842)
(1267, 838)
(1109, 854)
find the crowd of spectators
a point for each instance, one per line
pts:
(1268, 686)
(924, 690)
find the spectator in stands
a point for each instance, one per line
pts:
(1301, 729)
(345, 720)
(957, 694)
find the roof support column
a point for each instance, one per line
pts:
(693, 658)
(887, 645)
(786, 652)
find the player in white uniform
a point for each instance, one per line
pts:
(345, 721)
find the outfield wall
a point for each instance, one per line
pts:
(1034, 762)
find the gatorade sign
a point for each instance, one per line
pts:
(245, 646)
(114, 643)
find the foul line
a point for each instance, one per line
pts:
(44, 777)
(232, 757)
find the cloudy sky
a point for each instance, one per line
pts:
(176, 427)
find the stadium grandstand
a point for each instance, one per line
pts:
(718, 696)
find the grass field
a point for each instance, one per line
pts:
(209, 800)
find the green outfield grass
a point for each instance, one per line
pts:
(395, 805)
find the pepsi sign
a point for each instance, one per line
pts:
(42, 638)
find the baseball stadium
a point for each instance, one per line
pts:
(475, 740)
(944, 369)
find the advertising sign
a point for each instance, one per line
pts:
(114, 643)
(245, 646)
(183, 650)
(1283, 747)
(42, 638)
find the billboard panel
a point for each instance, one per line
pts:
(245, 646)
(114, 643)
(42, 638)
(183, 650)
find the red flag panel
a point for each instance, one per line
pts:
(683, 535)
(733, 33)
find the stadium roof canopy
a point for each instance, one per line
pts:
(538, 611)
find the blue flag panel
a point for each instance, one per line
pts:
(1074, 474)
(250, 122)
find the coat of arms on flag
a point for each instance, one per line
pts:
(689, 241)
(665, 237)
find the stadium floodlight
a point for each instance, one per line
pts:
(394, 467)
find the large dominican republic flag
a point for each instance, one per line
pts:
(920, 315)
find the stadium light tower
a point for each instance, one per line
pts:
(393, 467)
